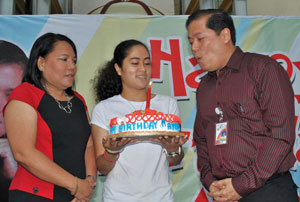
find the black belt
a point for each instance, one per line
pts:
(277, 175)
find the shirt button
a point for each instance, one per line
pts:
(35, 190)
(221, 166)
(218, 103)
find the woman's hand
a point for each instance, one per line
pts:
(116, 144)
(92, 181)
(170, 143)
(84, 191)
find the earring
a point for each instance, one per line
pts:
(41, 68)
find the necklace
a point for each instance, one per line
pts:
(134, 109)
(66, 108)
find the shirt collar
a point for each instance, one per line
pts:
(235, 60)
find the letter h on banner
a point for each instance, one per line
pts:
(174, 57)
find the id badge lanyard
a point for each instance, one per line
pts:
(221, 128)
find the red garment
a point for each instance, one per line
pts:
(49, 139)
(256, 97)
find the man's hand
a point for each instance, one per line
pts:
(223, 191)
(214, 188)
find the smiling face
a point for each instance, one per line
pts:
(10, 77)
(209, 48)
(58, 67)
(136, 69)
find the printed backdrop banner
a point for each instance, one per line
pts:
(175, 71)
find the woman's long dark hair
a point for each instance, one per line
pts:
(42, 47)
(107, 82)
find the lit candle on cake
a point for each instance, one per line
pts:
(148, 95)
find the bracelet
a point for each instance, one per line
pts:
(113, 152)
(91, 176)
(107, 158)
(173, 154)
(76, 188)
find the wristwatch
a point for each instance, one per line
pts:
(173, 154)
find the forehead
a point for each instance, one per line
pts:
(138, 50)
(10, 74)
(10, 69)
(62, 46)
(198, 25)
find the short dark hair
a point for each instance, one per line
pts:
(41, 48)
(217, 21)
(107, 82)
(12, 54)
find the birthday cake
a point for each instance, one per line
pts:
(146, 122)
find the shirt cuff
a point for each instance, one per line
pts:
(241, 186)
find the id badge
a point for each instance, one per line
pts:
(221, 133)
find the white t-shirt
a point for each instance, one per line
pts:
(141, 172)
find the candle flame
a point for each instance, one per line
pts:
(150, 83)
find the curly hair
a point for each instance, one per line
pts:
(107, 82)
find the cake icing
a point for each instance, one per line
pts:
(145, 122)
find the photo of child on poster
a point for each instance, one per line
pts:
(13, 61)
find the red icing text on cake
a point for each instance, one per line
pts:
(147, 115)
